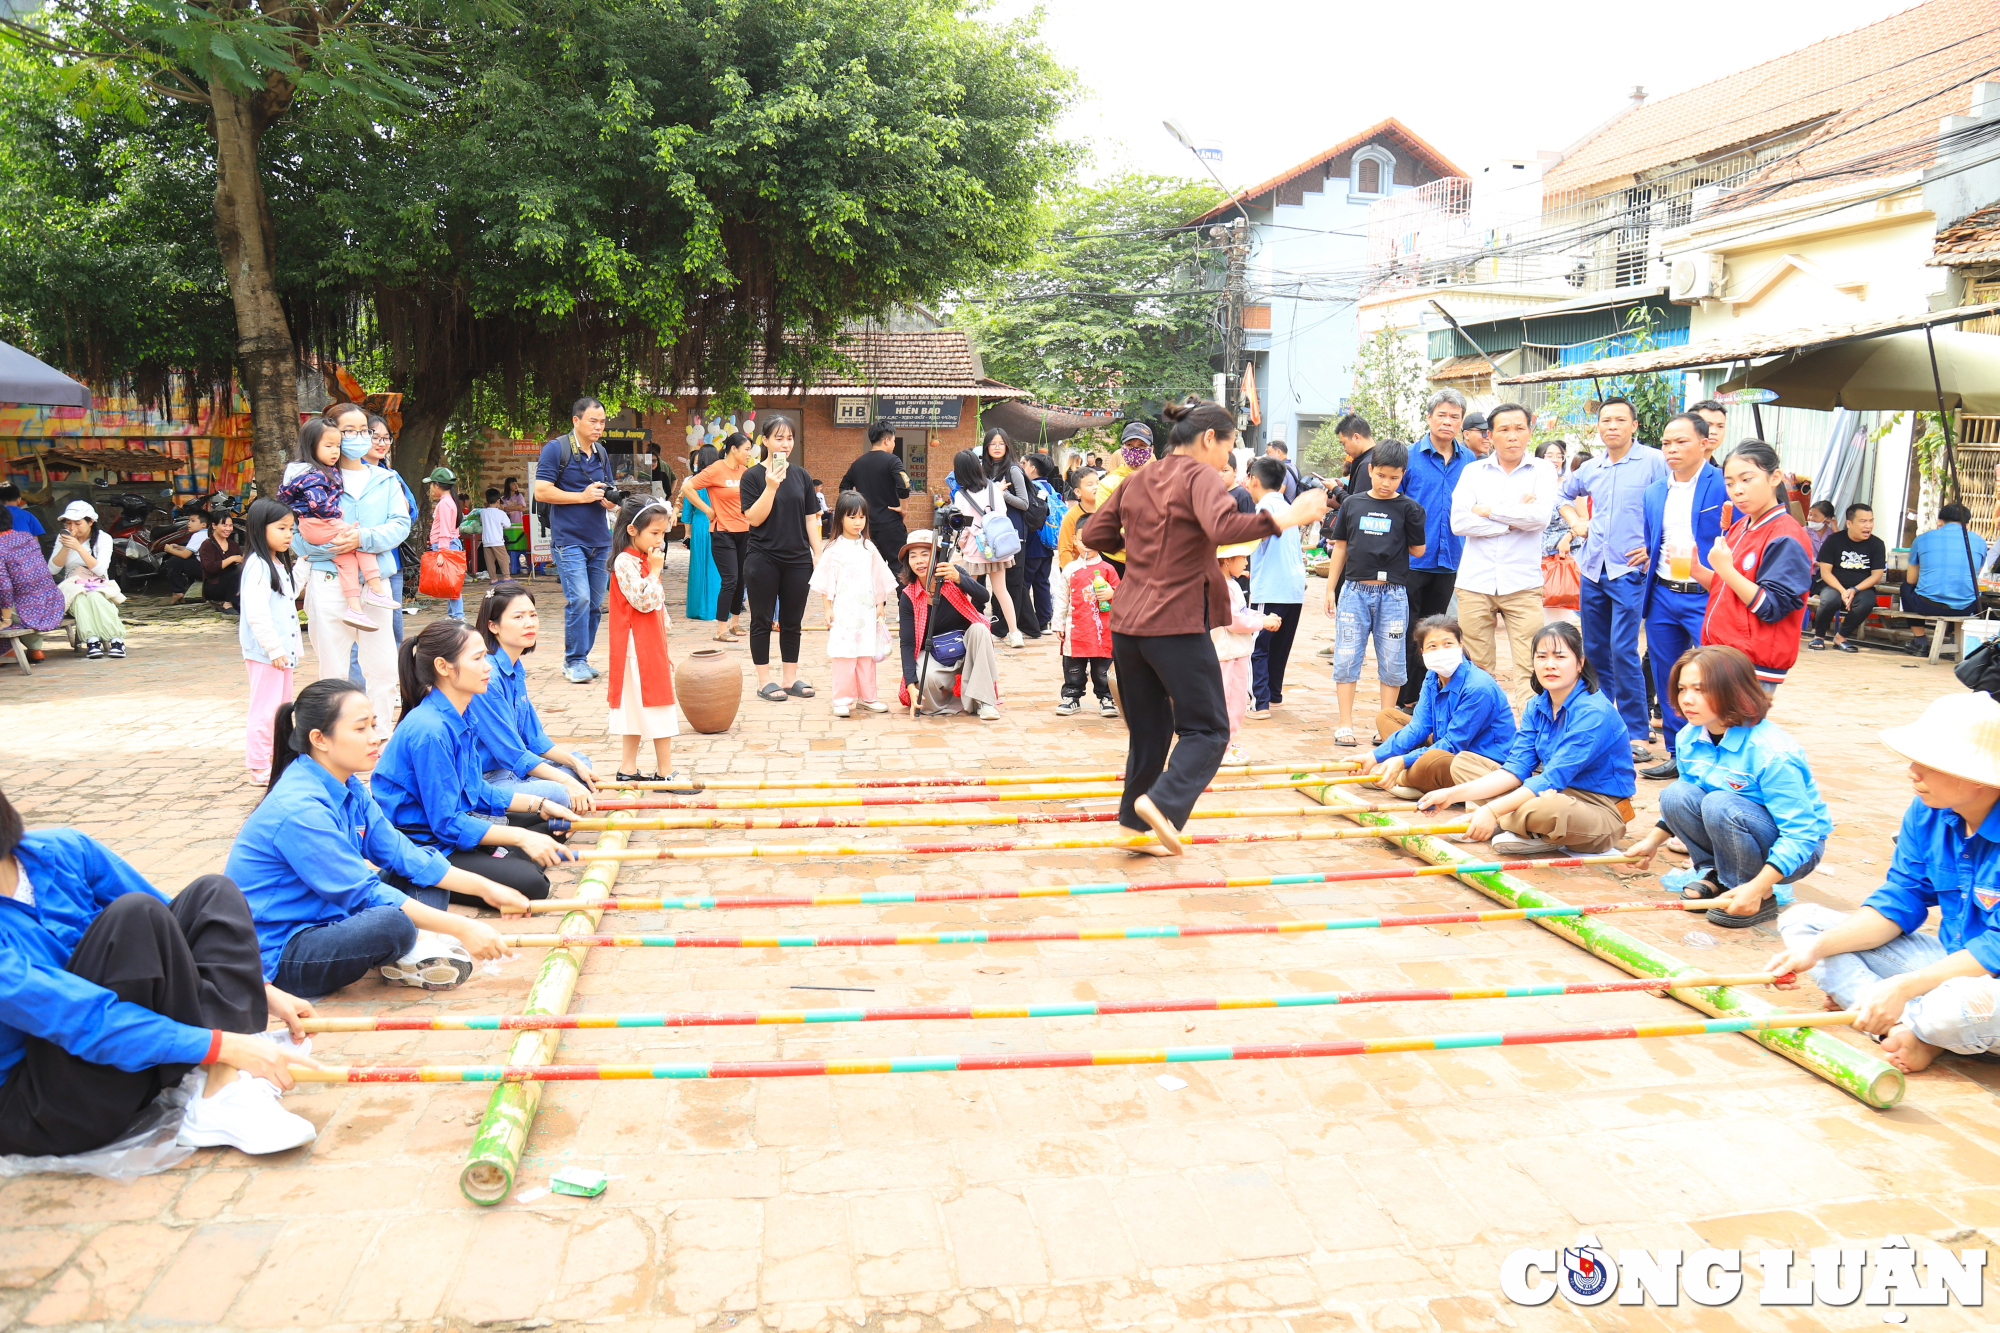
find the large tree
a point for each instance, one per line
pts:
(1118, 305)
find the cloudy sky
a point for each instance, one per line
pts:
(1277, 81)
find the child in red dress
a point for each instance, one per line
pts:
(642, 677)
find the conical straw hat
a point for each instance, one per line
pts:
(1958, 734)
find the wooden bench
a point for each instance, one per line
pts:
(12, 636)
(1937, 634)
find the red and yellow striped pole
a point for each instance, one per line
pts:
(994, 780)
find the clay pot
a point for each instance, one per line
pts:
(708, 685)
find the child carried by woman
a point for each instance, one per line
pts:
(312, 491)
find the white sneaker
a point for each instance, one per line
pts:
(437, 962)
(1235, 755)
(1015, 640)
(1406, 793)
(843, 709)
(988, 713)
(874, 705)
(244, 1116)
(1511, 844)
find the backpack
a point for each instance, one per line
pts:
(1052, 509)
(992, 534)
(567, 452)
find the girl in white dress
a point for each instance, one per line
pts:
(857, 585)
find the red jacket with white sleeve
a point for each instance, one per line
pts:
(1775, 553)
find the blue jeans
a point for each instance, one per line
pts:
(1727, 836)
(1610, 616)
(508, 781)
(319, 960)
(1673, 625)
(1958, 1015)
(354, 652)
(586, 579)
(1378, 611)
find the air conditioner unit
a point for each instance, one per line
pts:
(1696, 277)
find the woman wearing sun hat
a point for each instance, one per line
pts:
(1922, 993)
(961, 670)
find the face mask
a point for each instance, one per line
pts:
(1444, 661)
(356, 446)
(1817, 527)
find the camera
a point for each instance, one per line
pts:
(952, 521)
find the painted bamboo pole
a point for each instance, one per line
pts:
(750, 822)
(997, 780)
(490, 1167)
(947, 1064)
(807, 850)
(870, 939)
(1869, 1078)
(726, 902)
(945, 798)
(1060, 1009)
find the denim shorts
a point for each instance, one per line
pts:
(1371, 610)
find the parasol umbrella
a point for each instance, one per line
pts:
(23, 379)
(1887, 374)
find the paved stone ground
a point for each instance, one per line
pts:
(1377, 1193)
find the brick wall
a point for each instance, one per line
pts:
(499, 459)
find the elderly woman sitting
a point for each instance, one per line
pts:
(28, 595)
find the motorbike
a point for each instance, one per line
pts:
(134, 559)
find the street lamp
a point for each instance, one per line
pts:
(1175, 128)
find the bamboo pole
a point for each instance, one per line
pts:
(495, 1157)
(944, 798)
(807, 850)
(1060, 1009)
(709, 904)
(946, 1064)
(1867, 1077)
(998, 780)
(866, 939)
(749, 822)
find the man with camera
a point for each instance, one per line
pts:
(573, 478)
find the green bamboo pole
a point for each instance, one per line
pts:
(1872, 1080)
(490, 1167)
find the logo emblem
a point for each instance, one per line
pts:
(1587, 1276)
(1988, 898)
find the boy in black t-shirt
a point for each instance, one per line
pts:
(1371, 545)
(1851, 563)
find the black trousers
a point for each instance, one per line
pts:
(1919, 605)
(1430, 593)
(194, 960)
(727, 549)
(781, 586)
(1042, 602)
(1851, 618)
(888, 534)
(507, 866)
(1273, 651)
(1172, 687)
(182, 571)
(1098, 669)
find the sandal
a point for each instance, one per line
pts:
(1766, 911)
(1700, 891)
(798, 689)
(774, 692)
(1344, 736)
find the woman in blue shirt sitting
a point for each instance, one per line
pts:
(516, 754)
(1567, 783)
(110, 994)
(1462, 710)
(307, 861)
(430, 783)
(1745, 803)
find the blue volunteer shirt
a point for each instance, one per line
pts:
(1468, 714)
(1617, 494)
(576, 524)
(1764, 765)
(1583, 746)
(1430, 481)
(25, 521)
(430, 781)
(303, 857)
(505, 724)
(1938, 864)
(73, 881)
(1944, 570)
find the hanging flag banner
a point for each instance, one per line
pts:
(1250, 393)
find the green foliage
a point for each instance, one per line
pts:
(1655, 397)
(1065, 325)
(1388, 390)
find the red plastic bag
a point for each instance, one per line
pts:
(442, 575)
(1562, 585)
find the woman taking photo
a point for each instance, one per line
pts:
(81, 564)
(1745, 803)
(1462, 710)
(1760, 570)
(1567, 783)
(222, 564)
(516, 753)
(782, 514)
(985, 487)
(949, 664)
(721, 486)
(1169, 517)
(704, 582)
(307, 861)
(429, 779)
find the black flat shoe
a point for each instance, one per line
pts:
(1665, 771)
(638, 777)
(1729, 921)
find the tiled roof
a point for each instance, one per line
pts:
(1401, 135)
(929, 362)
(1875, 88)
(1973, 239)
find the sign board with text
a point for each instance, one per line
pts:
(850, 411)
(904, 412)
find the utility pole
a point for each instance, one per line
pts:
(1236, 241)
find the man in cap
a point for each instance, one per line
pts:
(1923, 993)
(1475, 436)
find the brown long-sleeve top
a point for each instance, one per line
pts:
(1170, 516)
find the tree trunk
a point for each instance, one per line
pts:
(247, 239)
(420, 444)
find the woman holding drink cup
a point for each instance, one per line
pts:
(1683, 519)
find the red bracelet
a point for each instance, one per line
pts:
(214, 1047)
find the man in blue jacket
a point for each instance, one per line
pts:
(1923, 993)
(1436, 462)
(1682, 512)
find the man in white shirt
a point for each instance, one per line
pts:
(1501, 506)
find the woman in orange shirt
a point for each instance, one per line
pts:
(728, 533)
